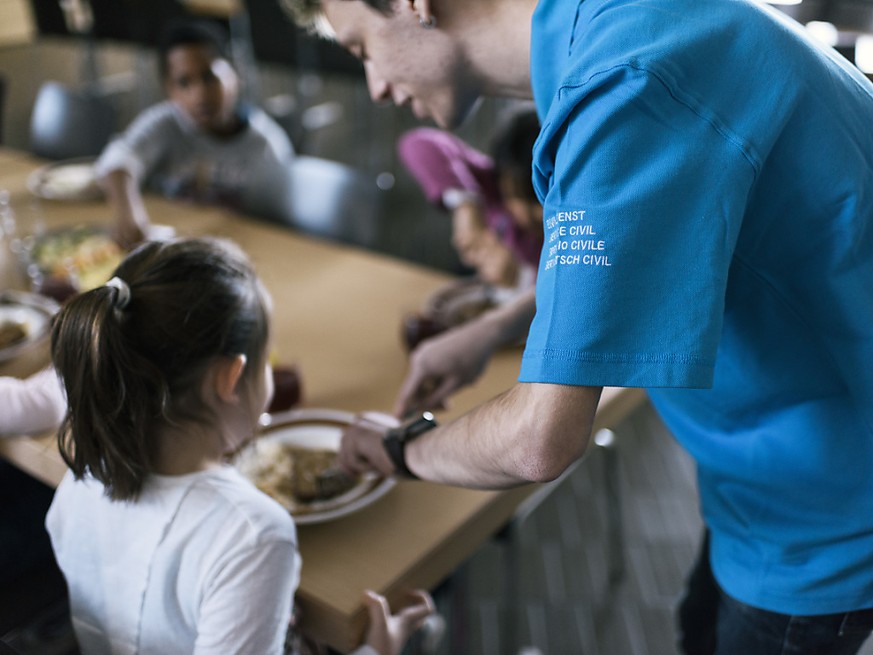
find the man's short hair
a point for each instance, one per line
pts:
(309, 14)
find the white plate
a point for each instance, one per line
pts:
(317, 429)
(32, 312)
(71, 179)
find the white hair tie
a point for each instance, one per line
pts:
(122, 298)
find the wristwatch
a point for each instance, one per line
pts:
(395, 441)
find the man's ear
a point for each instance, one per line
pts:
(228, 372)
(423, 9)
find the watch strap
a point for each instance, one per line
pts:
(395, 441)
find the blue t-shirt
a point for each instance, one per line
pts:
(707, 181)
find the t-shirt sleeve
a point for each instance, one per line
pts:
(643, 196)
(139, 149)
(247, 607)
(31, 405)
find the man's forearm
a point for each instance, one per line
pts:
(530, 433)
(511, 322)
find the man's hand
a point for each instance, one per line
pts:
(443, 364)
(361, 449)
(389, 632)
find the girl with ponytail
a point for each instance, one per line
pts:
(165, 548)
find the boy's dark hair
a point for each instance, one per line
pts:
(131, 369)
(512, 150)
(191, 32)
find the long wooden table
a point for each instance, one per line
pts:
(337, 316)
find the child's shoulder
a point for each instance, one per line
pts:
(228, 496)
(163, 118)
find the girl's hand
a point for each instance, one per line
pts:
(468, 225)
(495, 262)
(389, 632)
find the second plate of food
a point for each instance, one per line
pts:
(294, 462)
(25, 318)
(85, 255)
(71, 179)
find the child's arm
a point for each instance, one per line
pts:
(468, 223)
(128, 209)
(127, 162)
(32, 405)
(388, 633)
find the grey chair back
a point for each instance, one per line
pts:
(323, 198)
(67, 123)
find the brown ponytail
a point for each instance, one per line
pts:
(132, 355)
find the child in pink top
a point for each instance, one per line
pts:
(497, 219)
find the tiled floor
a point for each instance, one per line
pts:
(555, 597)
(557, 559)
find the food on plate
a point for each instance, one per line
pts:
(316, 476)
(86, 256)
(296, 477)
(12, 333)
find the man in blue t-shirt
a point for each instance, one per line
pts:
(706, 175)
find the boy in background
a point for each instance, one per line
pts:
(201, 143)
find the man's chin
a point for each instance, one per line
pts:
(457, 115)
(421, 112)
(445, 122)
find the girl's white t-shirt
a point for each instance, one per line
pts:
(201, 563)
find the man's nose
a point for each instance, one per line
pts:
(379, 89)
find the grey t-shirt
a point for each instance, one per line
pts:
(164, 151)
